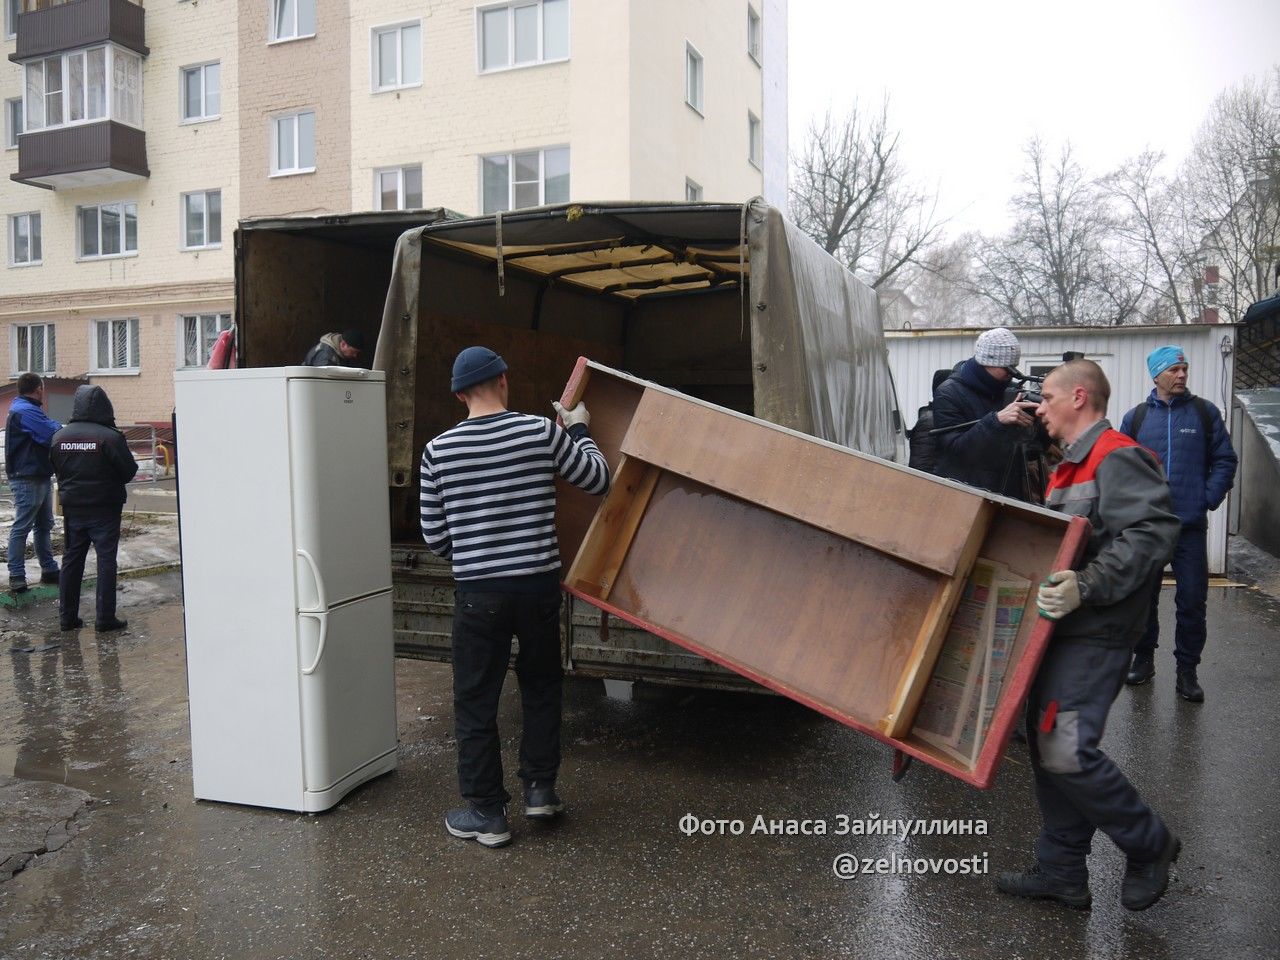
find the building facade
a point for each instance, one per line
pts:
(137, 135)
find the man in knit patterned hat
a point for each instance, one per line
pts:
(1187, 433)
(980, 438)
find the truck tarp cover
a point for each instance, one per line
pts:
(819, 364)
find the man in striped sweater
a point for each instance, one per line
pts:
(488, 505)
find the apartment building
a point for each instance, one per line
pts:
(137, 134)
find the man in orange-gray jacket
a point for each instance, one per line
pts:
(1101, 610)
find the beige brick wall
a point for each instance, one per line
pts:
(283, 77)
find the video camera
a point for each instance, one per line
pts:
(1017, 389)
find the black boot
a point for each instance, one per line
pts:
(1141, 670)
(1189, 688)
(1034, 884)
(1146, 881)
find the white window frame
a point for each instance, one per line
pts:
(12, 8)
(12, 122)
(123, 206)
(692, 191)
(755, 141)
(375, 63)
(511, 168)
(182, 220)
(13, 239)
(510, 6)
(22, 364)
(273, 37)
(221, 321)
(204, 116)
(109, 112)
(400, 192)
(277, 171)
(133, 363)
(755, 36)
(694, 59)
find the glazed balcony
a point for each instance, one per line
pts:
(86, 154)
(53, 26)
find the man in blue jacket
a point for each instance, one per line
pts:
(28, 432)
(1187, 433)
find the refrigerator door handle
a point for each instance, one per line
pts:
(323, 617)
(321, 603)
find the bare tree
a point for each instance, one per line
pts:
(1060, 264)
(850, 194)
(1232, 179)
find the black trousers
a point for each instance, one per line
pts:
(483, 625)
(1079, 789)
(1191, 576)
(80, 529)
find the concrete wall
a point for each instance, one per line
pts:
(1258, 483)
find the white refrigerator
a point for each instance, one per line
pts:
(286, 579)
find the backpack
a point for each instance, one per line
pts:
(1139, 413)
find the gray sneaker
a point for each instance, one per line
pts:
(541, 801)
(486, 829)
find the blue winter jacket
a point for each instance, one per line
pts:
(28, 433)
(1198, 482)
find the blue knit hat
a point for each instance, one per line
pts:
(475, 365)
(1162, 358)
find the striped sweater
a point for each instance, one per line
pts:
(488, 498)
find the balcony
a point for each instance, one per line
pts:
(86, 154)
(51, 26)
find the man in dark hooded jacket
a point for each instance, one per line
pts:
(336, 350)
(980, 438)
(93, 463)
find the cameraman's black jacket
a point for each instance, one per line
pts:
(90, 456)
(988, 454)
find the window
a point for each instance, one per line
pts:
(109, 230)
(397, 57)
(398, 189)
(293, 144)
(522, 34)
(34, 348)
(753, 34)
(692, 191)
(115, 344)
(11, 10)
(201, 92)
(754, 146)
(292, 19)
(201, 219)
(12, 122)
(529, 179)
(692, 77)
(73, 88)
(198, 333)
(24, 239)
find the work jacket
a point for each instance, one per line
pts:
(1119, 487)
(27, 434)
(1200, 468)
(90, 456)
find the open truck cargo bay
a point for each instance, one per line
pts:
(728, 303)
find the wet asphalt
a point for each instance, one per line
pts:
(148, 872)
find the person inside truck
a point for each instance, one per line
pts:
(488, 505)
(336, 350)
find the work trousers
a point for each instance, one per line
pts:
(32, 510)
(1191, 589)
(1078, 788)
(100, 527)
(483, 625)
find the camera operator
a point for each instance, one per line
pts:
(982, 435)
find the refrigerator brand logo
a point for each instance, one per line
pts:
(348, 400)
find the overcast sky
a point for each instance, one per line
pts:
(970, 82)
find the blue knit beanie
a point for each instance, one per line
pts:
(1162, 358)
(475, 365)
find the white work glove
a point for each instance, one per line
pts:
(575, 414)
(1059, 594)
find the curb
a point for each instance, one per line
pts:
(34, 594)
